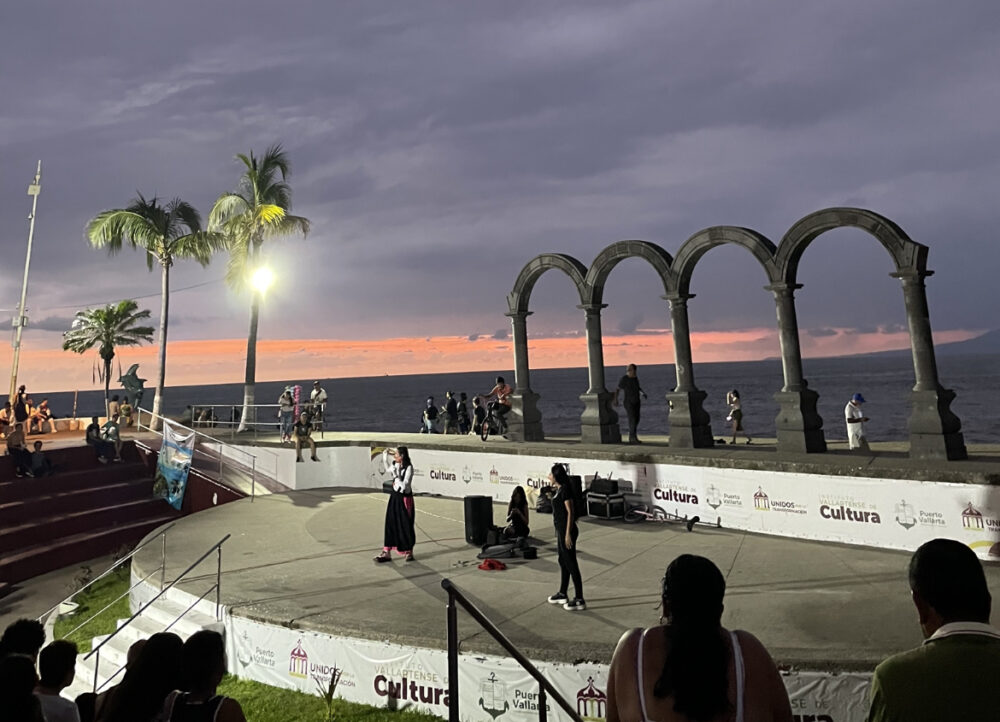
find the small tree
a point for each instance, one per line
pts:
(107, 328)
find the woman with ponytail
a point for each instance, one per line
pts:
(690, 668)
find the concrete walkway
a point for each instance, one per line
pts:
(304, 560)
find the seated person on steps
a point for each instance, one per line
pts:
(18, 451)
(41, 415)
(112, 435)
(6, 420)
(302, 433)
(40, 463)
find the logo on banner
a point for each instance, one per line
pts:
(494, 475)
(591, 702)
(715, 498)
(972, 518)
(680, 494)
(908, 517)
(848, 509)
(298, 662)
(762, 502)
(466, 474)
(493, 696)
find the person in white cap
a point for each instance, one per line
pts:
(855, 417)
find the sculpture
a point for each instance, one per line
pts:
(133, 386)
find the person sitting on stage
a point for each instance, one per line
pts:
(6, 419)
(40, 417)
(517, 515)
(93, 437)
(302, 433)
(692, 668)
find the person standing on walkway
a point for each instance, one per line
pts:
(736, 414)
(399, 512)
(691, 667)
(286, 413)
(464, 423)
(317, 405)
(629, 385)
(953, 675)
(450, 414)
(564, 521)
(856, 419)
(21, 404)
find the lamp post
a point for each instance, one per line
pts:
(262, 279)
(21, 320)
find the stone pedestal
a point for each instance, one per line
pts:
(690, 426)
(524, 421)
(799, 425)
(599, 422)
(935, 432)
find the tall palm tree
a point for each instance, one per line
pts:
(166, 233)
(256, 211)
(108, 327)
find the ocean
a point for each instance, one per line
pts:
(395, 403)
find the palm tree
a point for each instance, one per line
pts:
(255, 212)
(165, 233)
(108, 327)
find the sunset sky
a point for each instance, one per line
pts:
(437, 147)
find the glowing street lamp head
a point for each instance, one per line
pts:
(262, 279)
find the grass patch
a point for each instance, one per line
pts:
(262, 703)
(91, 601)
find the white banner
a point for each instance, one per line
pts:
(884, 513)
(491, 688)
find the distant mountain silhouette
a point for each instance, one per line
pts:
(989, 342)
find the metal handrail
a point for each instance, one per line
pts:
(255, 423)
(249, 460)
(163, 563)
(455, 595)
(218, 576)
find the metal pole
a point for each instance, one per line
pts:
(452, 659)
(542, 704)
(163, 559)
(33, 190)
(97, 666)
(218, 582)
(253, 478)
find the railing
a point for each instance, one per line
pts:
(162, 535)
(230, 417)
(217, 588)
(456, 597)
(212, 455)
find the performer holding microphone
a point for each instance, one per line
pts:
(399, 512)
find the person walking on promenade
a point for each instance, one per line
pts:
(564, 521)
(451, 414)
(736, 414)
(430, 417)
(302, 432)
(464, 423)
(953, 675)
(286, 412)
(629, 385)
(856, 436)
(691, 667)
(399, 512)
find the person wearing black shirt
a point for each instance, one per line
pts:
(301, 432)
(464, 424)
(478, 414)
(451, 414)
(629, 384)
(430, 417)
(564, 520)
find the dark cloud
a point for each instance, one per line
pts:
(473, 337)
(59, 324)
(500, 334)
(821, 332)
(438, 148)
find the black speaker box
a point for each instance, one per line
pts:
(605, 487)
(478, 518)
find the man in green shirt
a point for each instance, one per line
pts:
(955, 674)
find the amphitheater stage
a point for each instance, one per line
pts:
(298, 566)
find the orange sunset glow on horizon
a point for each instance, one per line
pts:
(223, 361)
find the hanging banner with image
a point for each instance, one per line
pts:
(174, 463)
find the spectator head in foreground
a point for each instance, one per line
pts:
(690, 667)
(204, 660)
(25, 636)
(57, 665)
(953, 674)
(156, 672)
(17, 685)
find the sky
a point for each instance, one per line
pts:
(437, 147)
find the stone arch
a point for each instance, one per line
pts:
(703, 241)
(614, 254)
(518, 299)
(907, 255)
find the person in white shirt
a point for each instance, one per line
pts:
(855, 418)
(57, 665)
(317, 400)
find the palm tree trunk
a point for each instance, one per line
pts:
(107, 386)
(250, 381)
(161, 375)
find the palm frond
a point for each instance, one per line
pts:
(226, 207)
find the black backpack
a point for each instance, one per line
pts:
(544, 503)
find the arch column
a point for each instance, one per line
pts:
(690, 424)
(935, 432)
(524, 422)
(799, 425)
(599, 422)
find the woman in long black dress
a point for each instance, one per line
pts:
(399, 513)
(564, 519)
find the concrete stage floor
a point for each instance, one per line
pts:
(304, 560)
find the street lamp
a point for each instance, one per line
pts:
(262, 279)
(34, 189)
